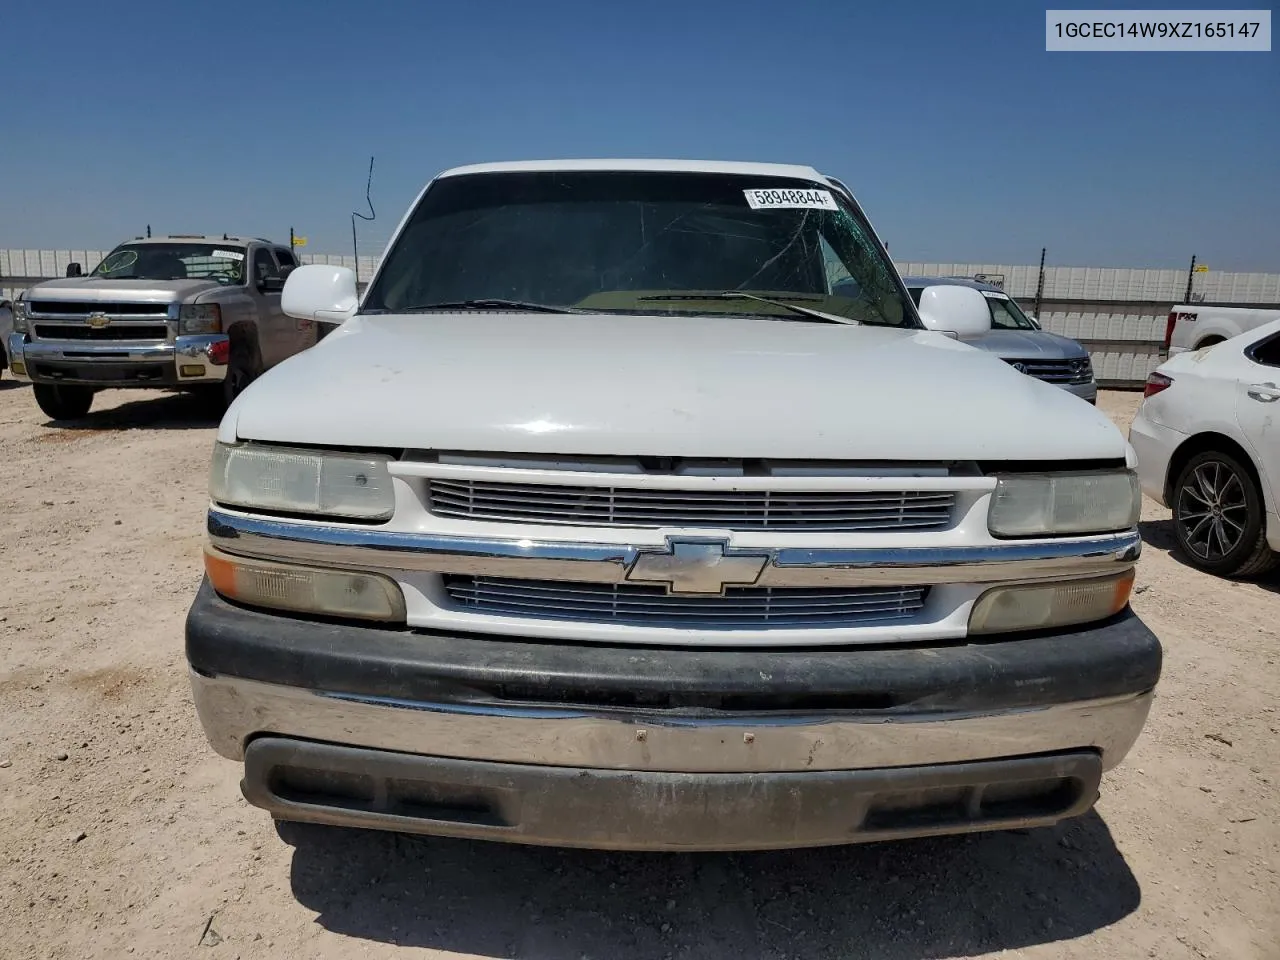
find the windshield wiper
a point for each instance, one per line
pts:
(739, 295)
(486, 303)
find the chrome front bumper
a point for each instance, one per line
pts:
(120, 363)
(234, 711)
(658, 749)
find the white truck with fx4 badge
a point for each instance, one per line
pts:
(633, 507)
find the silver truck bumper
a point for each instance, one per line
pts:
(233, 711)
(644, 780)
(1085, 391)
(195, 359)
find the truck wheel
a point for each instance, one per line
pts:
(243, 368)
(63, 402)
(1218, 517)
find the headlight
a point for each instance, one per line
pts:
(1043, 606)
(302, 481)
(200, 318)
(284, 586)
(1053, 504)
(21, 322)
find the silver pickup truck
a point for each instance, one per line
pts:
(176, 312)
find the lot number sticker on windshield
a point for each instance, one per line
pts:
(227, 255)
(790, 200)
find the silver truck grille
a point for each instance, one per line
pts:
(725, 510)
(120, 331)
(742, 608)
(76, 309)
(1056, 371)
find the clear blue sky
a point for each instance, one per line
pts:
(961, 136)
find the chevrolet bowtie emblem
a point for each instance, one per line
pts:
(697, 566)
(97, 321)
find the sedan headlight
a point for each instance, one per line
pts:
(1055, 504)
(200, 318)
(21, 321)
(357, 487)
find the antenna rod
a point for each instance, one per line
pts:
(355, 250)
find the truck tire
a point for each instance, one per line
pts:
(243, 367)
(1218, 516)
(63, 402)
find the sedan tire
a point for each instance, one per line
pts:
(1218, 516)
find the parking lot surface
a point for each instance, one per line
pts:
(124, 835)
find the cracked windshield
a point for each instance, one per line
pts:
(647, 243)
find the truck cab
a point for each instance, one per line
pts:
(182, 311)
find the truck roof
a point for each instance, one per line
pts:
(794, 171)
(203, 238)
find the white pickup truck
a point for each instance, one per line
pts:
(634, 507)
(1192, 326)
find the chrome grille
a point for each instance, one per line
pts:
(1079, 370)
(864, 510)
(74, 310)
(741, 608)
(117, 331)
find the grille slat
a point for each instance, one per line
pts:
(714, 605)
(739, 510)
(650, 606)
(1056, 371)
(644, 590)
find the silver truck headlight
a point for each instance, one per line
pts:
(21, 321)
(1055, 504)
(200, 318)
(280, 480)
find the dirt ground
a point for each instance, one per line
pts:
(122, 834)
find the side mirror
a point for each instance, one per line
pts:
(271, 284)
(74, 269)
(953, 309)
(321, 293)
(1035, 321)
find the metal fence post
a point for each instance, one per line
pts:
(1040, 285)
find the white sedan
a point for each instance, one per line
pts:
(1208, 442)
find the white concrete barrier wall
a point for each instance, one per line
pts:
(1118, 313)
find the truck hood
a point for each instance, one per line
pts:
(663, 386)
(1028, 345)
(90, 290)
